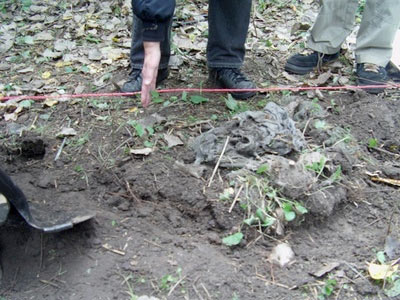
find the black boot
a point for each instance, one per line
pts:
(231, 78)
(393, 72)
(371, 74)
(302, 64)
(134, 82)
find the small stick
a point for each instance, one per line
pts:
(155, 244)
(385, 151)
(60, 149)
(236, 198)
(108, 247)
(219, 161)
(128, 187)
(175, 285)
(204, 288)
(49, 283)
(355, 271)
(197, 292)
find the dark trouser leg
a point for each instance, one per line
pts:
(137, 51)
(228, 22)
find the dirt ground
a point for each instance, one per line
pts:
(158, 230)
(167, 226)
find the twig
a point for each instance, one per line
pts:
(218, 162)
(197, 292)
(60, 149)
(236, 198)
(385, 151)
(355, 271)
(155, 244)
(273, 283)
(108, 247)
(204, 288)
(175, 285)
(128, 187)
(49, 283)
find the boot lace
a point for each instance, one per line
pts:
(234, 74)
(368, 67)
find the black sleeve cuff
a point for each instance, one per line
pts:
(154, 32)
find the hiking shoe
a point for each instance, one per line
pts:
(134, 82)
(232, 78)
(305, 63)
(392, 72)
(371, 74)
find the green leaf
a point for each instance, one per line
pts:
(372, 143)
(251, 221)
(268, 221)
(380, 255)
(148, 144)
(233, 240)
(29, 40)
(150, 130)
(26, 103)
(320, 124)
(290, 215)
(85, 69)
(155, 97)
(231, 103)
(262, 169)
(301, 209)
(394, 291)
(184, 96)
(196, 99)
(139, 129)
(260, 214)
(337, 174)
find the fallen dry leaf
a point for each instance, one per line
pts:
(143, 151)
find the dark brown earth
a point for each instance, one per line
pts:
(166, 224)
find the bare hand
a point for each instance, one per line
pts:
(152, 56)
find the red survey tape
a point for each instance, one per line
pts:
(200, 90)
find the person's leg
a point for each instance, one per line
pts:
(380, 21)
(228, 22)
(375, 37)
(334, 23)
(134, 82)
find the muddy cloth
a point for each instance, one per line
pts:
(251, 135)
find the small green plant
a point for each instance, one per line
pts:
(197, 99)
(78, 169)
(127, 281)
(328, 289)
(167, 281)
(235, 106)
(321, 124)
(372, 143)
(317, 167)
(262, 169)
(233, 239)
(156, 98)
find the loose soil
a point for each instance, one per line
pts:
(158, 230)
(165, 225)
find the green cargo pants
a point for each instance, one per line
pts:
(335, 21)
